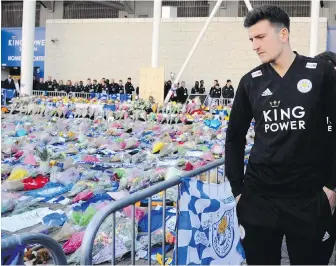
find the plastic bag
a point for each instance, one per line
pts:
(83, 218)
(77, 188)
(73, 243)
(18, 173)
(26, 205)
(84, 195)
(54, 219)
(37, 182)
(69, 176)
(8, 204)
(14, 185)
(65, 233)
(139, 212)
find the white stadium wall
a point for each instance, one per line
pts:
(118, 48)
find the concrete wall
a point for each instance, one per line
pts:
(55, 13)
(118, 48)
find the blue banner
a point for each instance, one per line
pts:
(11, 42)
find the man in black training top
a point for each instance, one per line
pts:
(328, 246)
(284, 190)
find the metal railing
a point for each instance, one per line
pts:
(17, 240)
(85, 95)
(50, 93)
(56, 93)
(98, 219)
(219, 101)
(39, 93)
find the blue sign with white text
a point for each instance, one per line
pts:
(11, 42)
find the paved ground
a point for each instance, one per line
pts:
(284, 261)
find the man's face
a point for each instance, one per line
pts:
(9, 77)
(129, 81)
(182, 84)
(41, 80)
(120, 83)
(229, 83)
(112, 80)
(49, 78)
(94, 82)
(89, 81)
(267, 40)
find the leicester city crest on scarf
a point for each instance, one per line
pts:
(208, 230)
(223, 234)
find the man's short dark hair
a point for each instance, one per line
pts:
(228, 81)
(216, 80)
(129, 78)
(327, 56)
(274, 14)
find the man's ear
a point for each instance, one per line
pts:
(284, 33)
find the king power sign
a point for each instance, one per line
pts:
(11, 46)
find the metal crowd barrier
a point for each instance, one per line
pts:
(38, 93)
(226, 101)
(98, 219)
(85, 95)
(57, 93)
(22, 240)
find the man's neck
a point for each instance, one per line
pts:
(283, 63)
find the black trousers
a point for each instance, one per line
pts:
(307, 224)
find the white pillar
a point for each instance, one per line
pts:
(200, 36)
(248, 5)
(314, 24)
(156, 32)
(27, 51)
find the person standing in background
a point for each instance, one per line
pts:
(88, 87)
(129, 89)
(9, 83)
(227, 92)
(202, 88)
(182, 93)
(69, 88)
(61, 86)
(48, 84)
(121, 87)
(17, 86)
(196, 88)
(114, 88)
(95, 86)
(35, 83)
(215, 93)
(54, 85)
(81, 87)
(328, 246)
(41, 86)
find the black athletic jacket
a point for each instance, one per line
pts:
(291, 137)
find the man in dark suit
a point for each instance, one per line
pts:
(9, 83)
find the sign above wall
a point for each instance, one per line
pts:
(11, 45)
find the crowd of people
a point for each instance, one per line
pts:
(180, 93)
